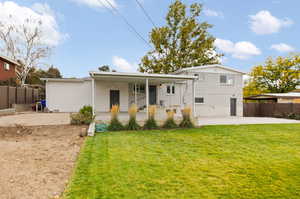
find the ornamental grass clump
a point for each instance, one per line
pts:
(186, 118)
(132, 124)
(150, 122)
(115, 124)
(170, 123)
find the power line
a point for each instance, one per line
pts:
(124, 19)
(145, 12)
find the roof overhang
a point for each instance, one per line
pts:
(9, 60)
(139, 77)
(272, 96)
(65, 79)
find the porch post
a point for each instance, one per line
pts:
(193, 99)
(93, 96)
(147, 96)
(135, 94)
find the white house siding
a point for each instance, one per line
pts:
(68, 96)
(216, 95)
(102, 95)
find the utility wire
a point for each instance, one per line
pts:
(145, 12)
(113, 8)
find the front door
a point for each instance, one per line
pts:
(233, 106)
(152, 95)
(114, 97)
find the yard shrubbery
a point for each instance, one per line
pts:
(83, 117)
(170, 123)
(186, 118)
(115, 124)
(132, 124)
(151, 122)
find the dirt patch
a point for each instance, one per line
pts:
(35, 119)
(36, 162)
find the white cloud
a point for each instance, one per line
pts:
(265, 23)
(212, 13)
(12, 13)
(239, 50)
(282, 47)
(97, 3)
(123, 65)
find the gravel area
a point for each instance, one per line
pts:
(35, 119)
(37, 162)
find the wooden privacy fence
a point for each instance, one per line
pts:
(17, 95)
(270, 109)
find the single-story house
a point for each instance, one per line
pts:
(211, 90)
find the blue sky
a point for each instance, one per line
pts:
(86, 35)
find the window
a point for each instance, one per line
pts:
(227, 79)
(199, 100)
(6, 66)
(139, 88)
(170, 89)
(223, 79)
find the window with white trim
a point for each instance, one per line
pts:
(170, 89)
(199, 100)
(6, 66)
(227, 79)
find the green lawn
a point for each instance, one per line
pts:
(225, 162)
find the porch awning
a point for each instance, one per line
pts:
(139, 77)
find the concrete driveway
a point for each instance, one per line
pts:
(35, 119)
(202, 121)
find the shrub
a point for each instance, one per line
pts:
(186, 118)
(115, 124)
(150, 122)
(170, 123)
(297, 117)
(84, 117)
(86, 110)
(132, 124)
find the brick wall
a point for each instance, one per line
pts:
(6, 74)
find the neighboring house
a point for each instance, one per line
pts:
(212, 90)
(291, 97)
(8, 68)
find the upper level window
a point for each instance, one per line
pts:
(170, 89)
(6, 66)
(226, 79)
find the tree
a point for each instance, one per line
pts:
(35, 75)
(278, 75)
(24, 43)
(183, 42)
(106, 68)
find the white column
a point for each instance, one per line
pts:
(135, 94)
(93, 96)
(147, 96)
(193, 99)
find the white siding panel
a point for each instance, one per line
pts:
(68, 96)
(102, 95)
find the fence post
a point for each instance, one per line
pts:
(8, 104)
